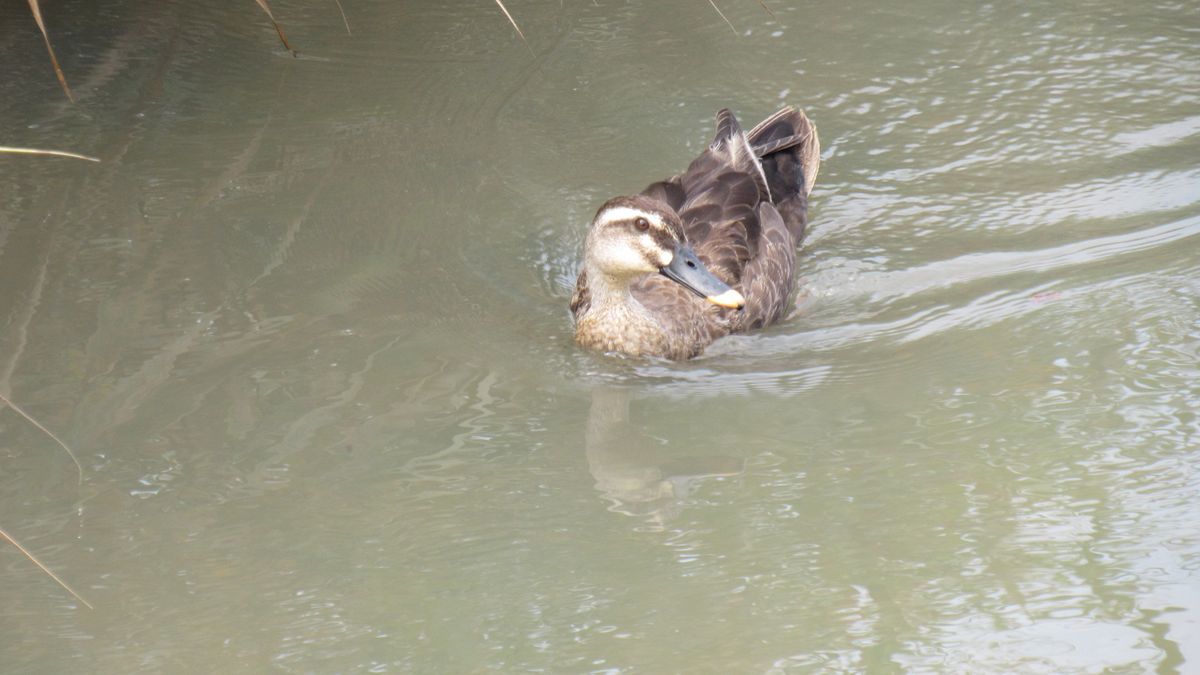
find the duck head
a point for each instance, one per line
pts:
(638, 235)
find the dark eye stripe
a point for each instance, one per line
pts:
(663, 239)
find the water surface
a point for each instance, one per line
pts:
(305, 327)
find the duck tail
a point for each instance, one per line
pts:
(789, 129)
(790, 152)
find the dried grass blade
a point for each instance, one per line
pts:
(31, 420)
(50, 153)
(278, 29)
(768, 9)
(722, 14)
(62, 79)
(347, 23)
(514, 24)
(45, 569)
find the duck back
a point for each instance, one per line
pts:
(744, 207)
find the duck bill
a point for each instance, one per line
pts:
(687, 270)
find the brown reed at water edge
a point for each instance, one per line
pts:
(35, 9)
(32, 558)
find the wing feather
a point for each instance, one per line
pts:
(743, 204)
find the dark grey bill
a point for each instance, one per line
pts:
(687, 270)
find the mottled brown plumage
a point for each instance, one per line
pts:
(741, 205)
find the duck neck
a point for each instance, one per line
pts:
(616, 321)
(611, 296)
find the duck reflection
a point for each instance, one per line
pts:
(638, 473)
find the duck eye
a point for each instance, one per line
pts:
(641, 224)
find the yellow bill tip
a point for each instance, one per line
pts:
(729, 298)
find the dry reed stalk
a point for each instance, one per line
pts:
(514, 24)
(29, 418)
(768, 9)
(278, 29)
(47, 153)
(45, 569)
(347, 23)
(722, 15)
(62, 79)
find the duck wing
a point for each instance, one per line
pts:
(717, 215)
(769, 278)
(744, 207)
(669, 192)
(721, 189)
(790, 155)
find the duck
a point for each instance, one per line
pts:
(705, 253)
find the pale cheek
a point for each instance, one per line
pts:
(623, 259)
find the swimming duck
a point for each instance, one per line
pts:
(705, 253)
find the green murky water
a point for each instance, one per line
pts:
(305, 327)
